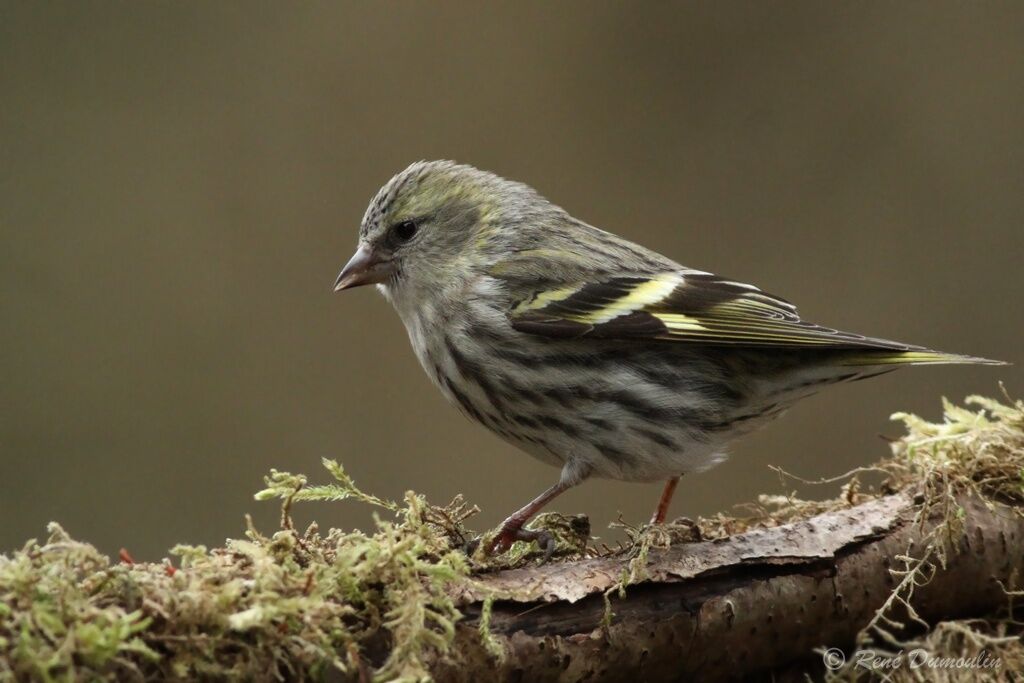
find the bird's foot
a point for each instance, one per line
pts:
(508, 535)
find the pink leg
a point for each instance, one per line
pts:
(512, 528)
(666, 497)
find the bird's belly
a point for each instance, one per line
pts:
(607, 416)
(625, 452)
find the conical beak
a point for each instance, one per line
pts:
(364, 268)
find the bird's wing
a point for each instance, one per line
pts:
(682, 305)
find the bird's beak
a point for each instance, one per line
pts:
(364, 268)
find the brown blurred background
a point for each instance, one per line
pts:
(180, 183)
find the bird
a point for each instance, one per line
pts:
(583, 349)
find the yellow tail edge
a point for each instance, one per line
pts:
(917, 357)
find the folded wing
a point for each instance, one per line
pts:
(680, 306)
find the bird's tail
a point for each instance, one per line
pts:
(913, 357)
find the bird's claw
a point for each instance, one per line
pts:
(504, 539)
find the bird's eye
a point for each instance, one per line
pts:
(405, 230)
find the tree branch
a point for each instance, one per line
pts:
(737, 606)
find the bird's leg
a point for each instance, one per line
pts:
(512, 528)
(666, 497)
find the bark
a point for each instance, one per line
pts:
(735, 608)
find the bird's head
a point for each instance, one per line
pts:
(435, 224)
(427, 226)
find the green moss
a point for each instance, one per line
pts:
(977, 452)
(296, 605)
(289, 605)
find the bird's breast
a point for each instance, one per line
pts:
(623, 411)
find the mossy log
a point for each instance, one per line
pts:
(737, 607)
(894, 565)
